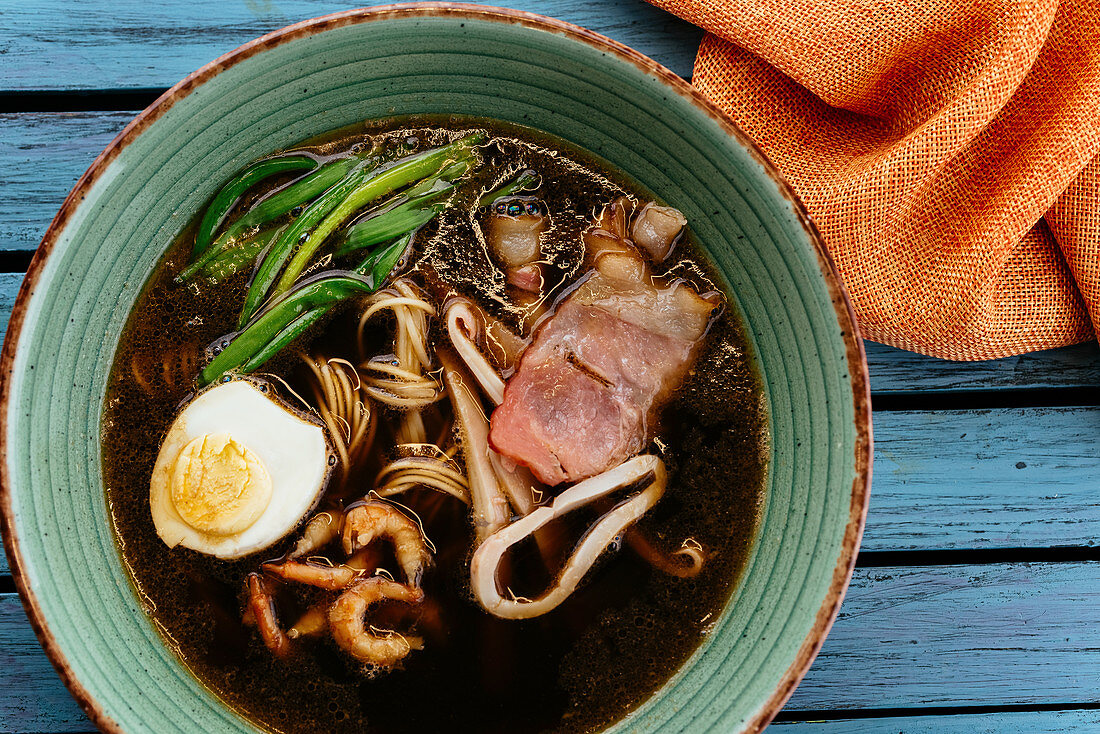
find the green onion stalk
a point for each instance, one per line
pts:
(232, 191)
(524, 181)
(298, 231)
(242, 254)
(402, 214)
(291, 315)
(379, 184)
(407, 212)
(297, 193)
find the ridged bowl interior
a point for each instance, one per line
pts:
(326, 74)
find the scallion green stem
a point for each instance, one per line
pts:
(289, 333)
(280, 249)
(242, 254)
(386, 225)
(384, 182)
(282, 201)
(408, 212)
(329, 289)
(293, 315)
(526, 179)
(298, 193)
(232, 191)
(378, 266)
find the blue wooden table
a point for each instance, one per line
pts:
(975, 606)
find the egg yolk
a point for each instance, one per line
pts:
(218, 485)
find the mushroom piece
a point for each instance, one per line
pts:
(488, 505)
(514, 230)
(463, 327)
(655, 229)
(516, 482)
(487, 558)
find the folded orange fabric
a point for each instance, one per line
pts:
(948, 150)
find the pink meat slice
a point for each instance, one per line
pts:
(581, 399)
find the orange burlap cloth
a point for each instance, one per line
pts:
(949, 152)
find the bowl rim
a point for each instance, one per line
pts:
(855, 354)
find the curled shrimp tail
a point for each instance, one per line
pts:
(261, 605)
(685, 562)
(363, 641)
(323, 575)
(372, 520)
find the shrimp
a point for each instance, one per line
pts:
(371, 520)
(313, 621)
(261, 604)
(684, 563)
(368, 644)
(322, 529)
(312, 573)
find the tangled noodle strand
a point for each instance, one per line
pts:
(340, 400)
(404, 379)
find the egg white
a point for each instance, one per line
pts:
(293, 450)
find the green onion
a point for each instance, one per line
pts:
(443, 180)
(289, 333)
(275, 205)
(408, 212)
(378, 265)
(384, 182)
(326, 290)
(527, 179)
(290, 317)
(243, 253)
(395, 221)
(297, 193)
(231, 192)
(280, 250)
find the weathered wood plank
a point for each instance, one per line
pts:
(895, 370)
(1012, 722)
(43, 155)
(1004, 478)
(9, 289)
(962, 635)
(32, 697)
(1003, 634)
(140, 45)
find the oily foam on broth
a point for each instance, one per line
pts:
(617, 639)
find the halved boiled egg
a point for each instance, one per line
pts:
(236, 472)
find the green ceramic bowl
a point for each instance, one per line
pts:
(334, 71)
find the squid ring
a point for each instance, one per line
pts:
(487, 558)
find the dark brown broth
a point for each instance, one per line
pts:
(579, 668)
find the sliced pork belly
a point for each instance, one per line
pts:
(614, 350)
